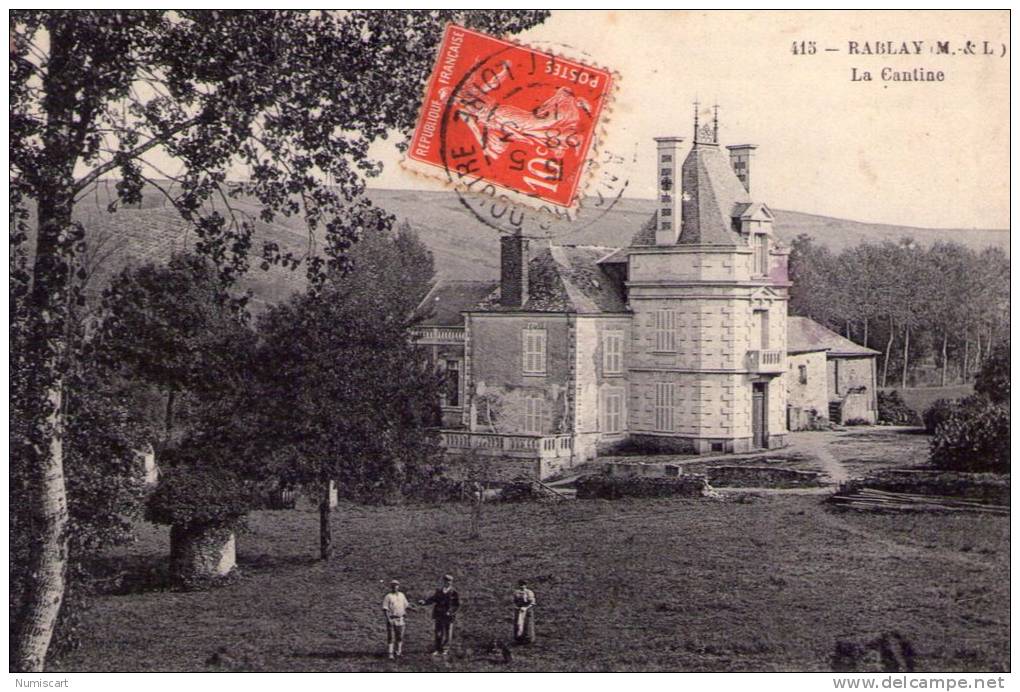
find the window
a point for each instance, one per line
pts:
(612, 410)
(665, 198)
(533, 408)
(803, 374)
(612, 353)
(666, 172)
(534, 351)
(450, 395)
(667, 212)
(665, 331)
(762, 319)
(667, 158)
(761, 254)
(664, 406)
(666, 225)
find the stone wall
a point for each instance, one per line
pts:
(805, 397)
(501, 469)
(490, 468)
(497, 373)
(201, 553)
(740, 476)
(852, 381)
(691, 263)
(609, 488)
(593, 382)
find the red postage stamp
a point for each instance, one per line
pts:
(516, 118)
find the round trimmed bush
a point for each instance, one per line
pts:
(202, 506)
(197, 496)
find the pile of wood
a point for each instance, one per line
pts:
(869, 499)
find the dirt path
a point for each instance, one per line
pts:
(816, 445)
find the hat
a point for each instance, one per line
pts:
(394, 582)
(522, 582)
(447, 577)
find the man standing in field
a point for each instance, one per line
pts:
(395, 607)
(445, 604)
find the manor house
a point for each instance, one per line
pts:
(677, 342)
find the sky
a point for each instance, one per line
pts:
(932, 154)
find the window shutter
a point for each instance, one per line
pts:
(665, 330)
(533, 345)
(664, 403)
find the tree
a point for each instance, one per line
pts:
(346, 395)
(287, 102)
(104, 431)
(993, 378)
(947, 306)
(176, 328)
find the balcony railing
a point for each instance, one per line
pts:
(439, 335)
(767, 361)
(498, 444)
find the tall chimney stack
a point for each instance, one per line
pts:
(740, 160)
(513, 271)
(669, 219)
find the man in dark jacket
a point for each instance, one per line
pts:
(445, 603)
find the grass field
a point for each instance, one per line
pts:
(866, 450)
(744, 583)
(920, 398)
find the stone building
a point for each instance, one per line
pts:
(675, 342)
(830, 376)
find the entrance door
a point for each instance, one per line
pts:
(759, 420)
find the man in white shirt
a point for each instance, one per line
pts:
(395, 607)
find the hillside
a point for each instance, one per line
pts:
(463, 247)
(468, 249)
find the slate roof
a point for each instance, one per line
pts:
(448, 298)
(804, 335)
(713, 197)
(566, 278)
(646, 234)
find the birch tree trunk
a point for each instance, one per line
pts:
(945, 363)
(966, 358)
(906, 355)
(48, 555)
(47, 568)
(888, 352)
(168, 417)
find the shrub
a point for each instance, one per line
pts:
(894, 411)
(856, 421)
(195, 496)
(937, 413)
(973, 437)
(993, 378)
(519, 491)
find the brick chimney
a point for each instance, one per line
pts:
(740, 160)
(513, 271)
(669, 195)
